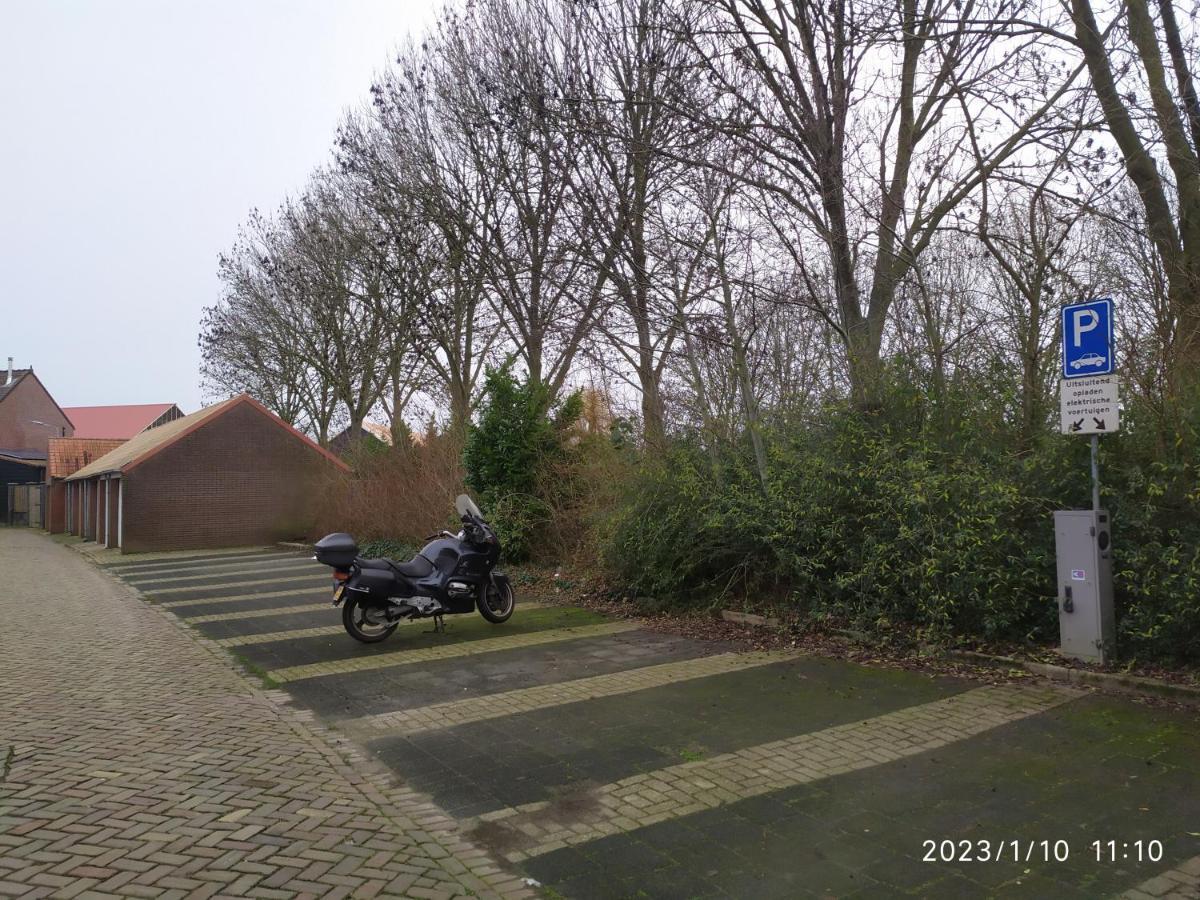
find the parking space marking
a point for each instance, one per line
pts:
(306, 606)
(198, 563)
(319, 589)
(493, 706)
(403, 657)
(676, 791)
(242, 640)
(217, 587)
(200, 577)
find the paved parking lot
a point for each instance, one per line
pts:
(605, 759)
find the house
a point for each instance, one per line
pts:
(120, 421)
(29, 417)
(230, 474)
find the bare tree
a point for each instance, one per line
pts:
(1145, 116)
(863, 118)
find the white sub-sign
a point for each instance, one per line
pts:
(1089, 405)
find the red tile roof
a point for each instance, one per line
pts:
(69, 455)
(114, 421)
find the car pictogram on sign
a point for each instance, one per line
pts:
(1088, 359)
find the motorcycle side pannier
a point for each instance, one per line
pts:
(336, 550)
(379, 584)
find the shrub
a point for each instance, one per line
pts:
(893, 519)
(518, 434)
(401, 495)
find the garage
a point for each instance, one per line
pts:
(230, 474)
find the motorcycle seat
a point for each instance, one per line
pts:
(417, 567)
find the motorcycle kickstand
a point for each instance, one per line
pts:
(439, 625)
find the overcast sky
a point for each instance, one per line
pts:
(136, 135)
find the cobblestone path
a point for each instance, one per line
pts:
(135, 760)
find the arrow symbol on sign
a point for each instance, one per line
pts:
(1077, 426)
(1099, 423)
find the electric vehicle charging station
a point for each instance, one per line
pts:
(1083, 537)
(1086, 623)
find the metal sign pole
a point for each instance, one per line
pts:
(1096, 473)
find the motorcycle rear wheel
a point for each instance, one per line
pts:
(497, 603)
(356, 619)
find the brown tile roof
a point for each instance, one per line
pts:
(68, 455)
(146, 444)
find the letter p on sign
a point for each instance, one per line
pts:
(1085, 320)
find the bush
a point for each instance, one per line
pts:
(384, 547)
(401, 495)
(515, 439)
(893, 520)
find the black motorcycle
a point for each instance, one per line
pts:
(453, 574)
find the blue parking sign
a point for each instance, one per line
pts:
(1087, 339)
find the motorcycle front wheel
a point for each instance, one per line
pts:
(497, 603)
(366, 623)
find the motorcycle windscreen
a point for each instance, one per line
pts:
(466, 506)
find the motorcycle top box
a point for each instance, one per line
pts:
(337, 551)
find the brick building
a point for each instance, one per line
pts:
(231, 474)
(66, 456)
(29, 418)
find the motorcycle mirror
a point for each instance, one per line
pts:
(466, 506)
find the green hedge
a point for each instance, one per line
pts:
(914, 519)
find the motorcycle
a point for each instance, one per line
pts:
(453, 574)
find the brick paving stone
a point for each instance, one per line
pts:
(642, 800)
(407, 657)
(126, 737)
(1183, 881)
